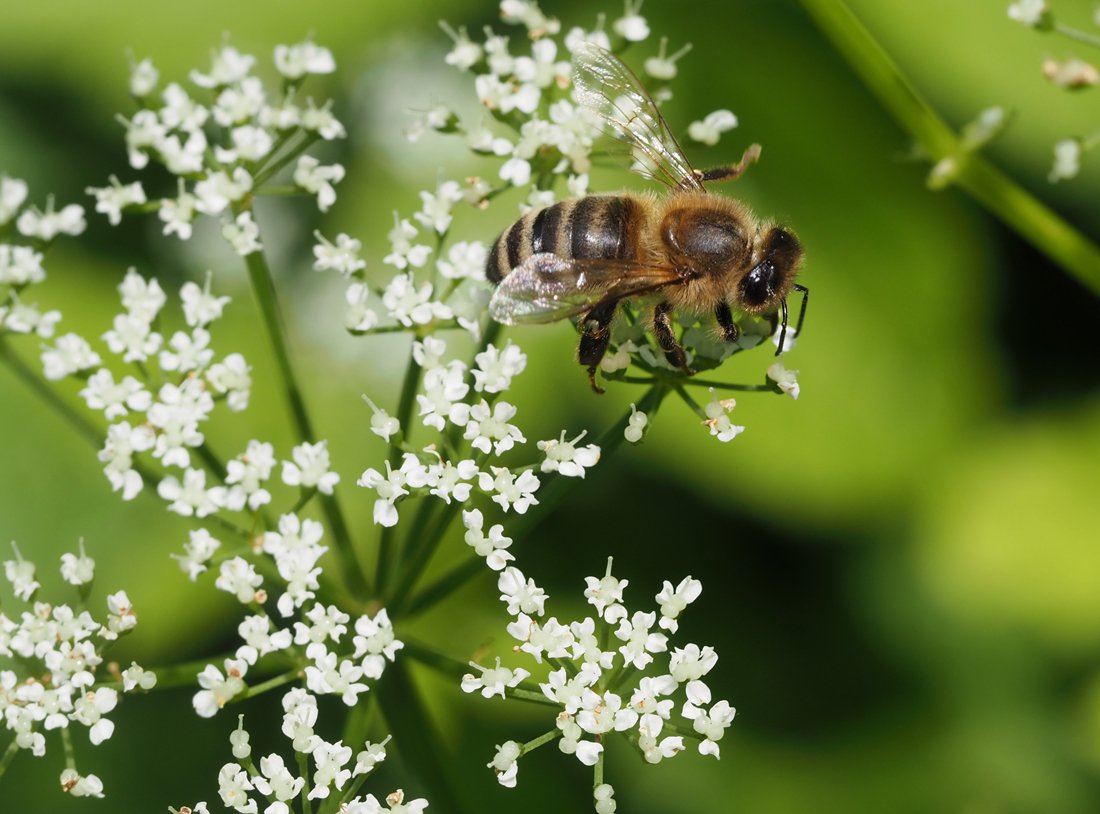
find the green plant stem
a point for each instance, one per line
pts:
(67, 748)
(541, 740)
(1002, 196)
(303, 772)
(597, 772)
(277, 681)
(1075, 34)
(549, 498)
(747, 388)
(420, 552)
(8, 757)
(263, 289)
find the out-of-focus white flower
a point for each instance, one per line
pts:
(711, 128)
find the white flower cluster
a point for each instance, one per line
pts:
(604, 675)
(271, 786)
(58, 683)
(224, 151)
(21, 258)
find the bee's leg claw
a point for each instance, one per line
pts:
(595, 337)
(592, 381)
(725, 322)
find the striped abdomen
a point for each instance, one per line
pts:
(596, 226)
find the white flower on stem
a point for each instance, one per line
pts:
(565, 458)
(329, 760)
(371, 756)
(711, 128)
(493, 547)
(508, 490)
(550, 638)
(183, 158)
(133, 337)
(604, 712)
(69, 355)
(506, 763)
(375, 643)
(439, 118)
(276, 781)
(718, 420)
(187, 352)
(382, 423)
(13, 192)
(176, 414)
(636, 424)
(603, 799)
(447, 480)
(465, 260)
(359, 318)
(233, 787)
(410, 305)
(77, 569)
(435, 207)
(639, 642)
(321, 121)
(246, 475)
(143, 78)
(586, 647)
(326, 623)
(318, 179)
(310, 468)
(1072, 74)
(20, 573)
(200, 307)
(1067, 160)
(391, 487)
(26, 319)
(218, 190)
(528, 13)
(178, 213)
(403, 253)
(296, 551)
(673, 601)
(232, 377)
(487, 428)
(568, 692)
(136, 678)
(47, 225)
(180, 111)
(395, 803)
(238, 576)
(143, 131)
(429, 352)
(444, 388)
(20, 265)
(78, 785)
(120, 613)
(89, 710)
(632, 26)
(331, 675)
(1029, 12)
(712, 723)
(786, 380)
(259, 639)
(227, 66)
(605, 593)
(466, 53)
(520, 594)
(342, 256)
(496, 367)
(102, 392)
(691, 662)
(141, 298)
(296, 61)
(243, 235)
(299, 717)
(218, 688)
(516, 171)
(123, 440)
(650, 702)
(492, 680)
(113, 199)
(663, 66)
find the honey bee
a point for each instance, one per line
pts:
(686, 252)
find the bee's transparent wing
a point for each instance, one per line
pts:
(546, 287)
(627, 113)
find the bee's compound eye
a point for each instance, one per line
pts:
(758, 285)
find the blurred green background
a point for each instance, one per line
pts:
(901, 569)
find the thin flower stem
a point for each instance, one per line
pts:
(448, 665)
(549, 497)
(533, 696)
(1002, 196)
(1075, 34)
(748, 388)
(277, 681)
(9, 755)
(292, 152)
(597, 772)
(263, 289)
(420, 552)
(541, 740)
(67, 748)
(303, 772)
(690, 402)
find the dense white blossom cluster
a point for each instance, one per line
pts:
(58, 680)
(612, 671)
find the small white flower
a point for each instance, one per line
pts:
(79, 785)
(1028, 12)
(135, 677)
(635, 426)
(343, 256)
(410, 305)
(673, 601)
(200, 307)
(237, 576)
(13, 192)
(516, 171)
(375, 643)
(218, 190)
(243, 234)
(662, 66)
(320, 120)
(143, 78)
(296, 61)
(318, 180)
(492, 548)
(403, 253)
(487, 428)
(47, 225)
(520, 594)
(496, 368)
(115, 399)
(606, 592)
(178, 213)
(691, 662)
(70, 355)
(218, 689)
(310, 468)
(711, 128)
(492, 680)
(466, 52)
(382, 423)
(435, 211)
(565, 458)
(113, 199)
(358, 317)
(786, 380)
(444, 387)
(77, 569)
(1067, 160)
(228, 66)
(20, 573)
(197, 552)
(189, 497)
(718, 419)
(231, 377)
(506, 763)
(631, 26)
(20, 265)
(508, 490)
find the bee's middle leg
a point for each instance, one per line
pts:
(595, 337)
(662, 329)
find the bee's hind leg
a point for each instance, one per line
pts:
(662, 329)
(751, 155)
(595, 337)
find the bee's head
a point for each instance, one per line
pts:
(767, 283)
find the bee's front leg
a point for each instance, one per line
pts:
(725, 321)
(662, 329)
(595, 337)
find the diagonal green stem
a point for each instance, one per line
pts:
(9, 755)
(263, 289)
(1002, 196)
